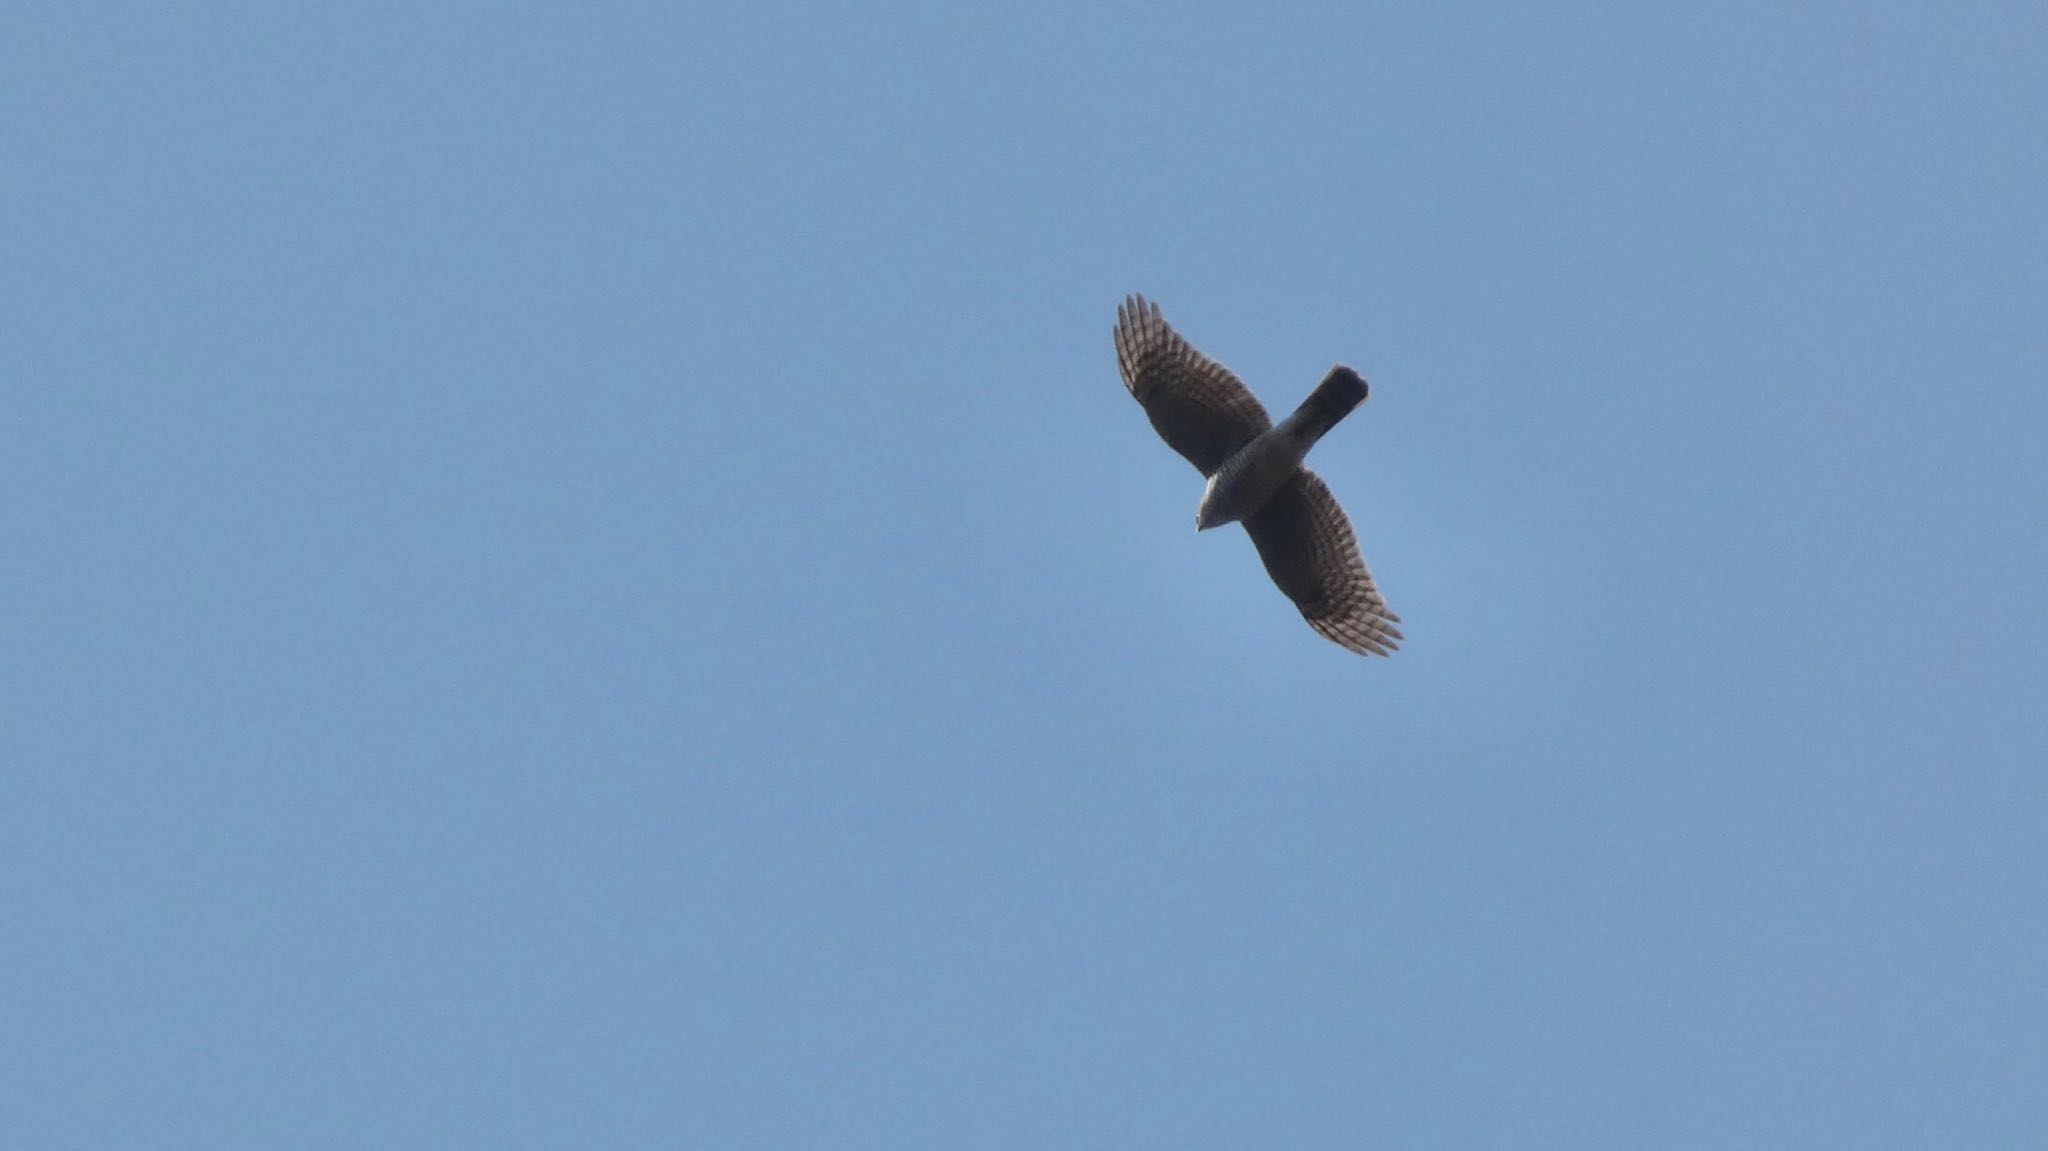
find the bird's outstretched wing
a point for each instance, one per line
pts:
(1307, 545)
(1198, 407)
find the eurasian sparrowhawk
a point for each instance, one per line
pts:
(1256, 475)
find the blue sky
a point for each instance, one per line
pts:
(583, 577)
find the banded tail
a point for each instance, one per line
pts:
(1333, 399)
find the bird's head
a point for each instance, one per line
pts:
(1211, 513)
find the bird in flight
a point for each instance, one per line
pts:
(1255, 473)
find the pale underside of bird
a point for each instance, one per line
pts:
(1255, 473)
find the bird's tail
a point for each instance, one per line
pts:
(1333, 399)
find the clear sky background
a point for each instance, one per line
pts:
(583, 577)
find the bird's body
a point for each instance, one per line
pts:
(1250, 476)
(1255, 473)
